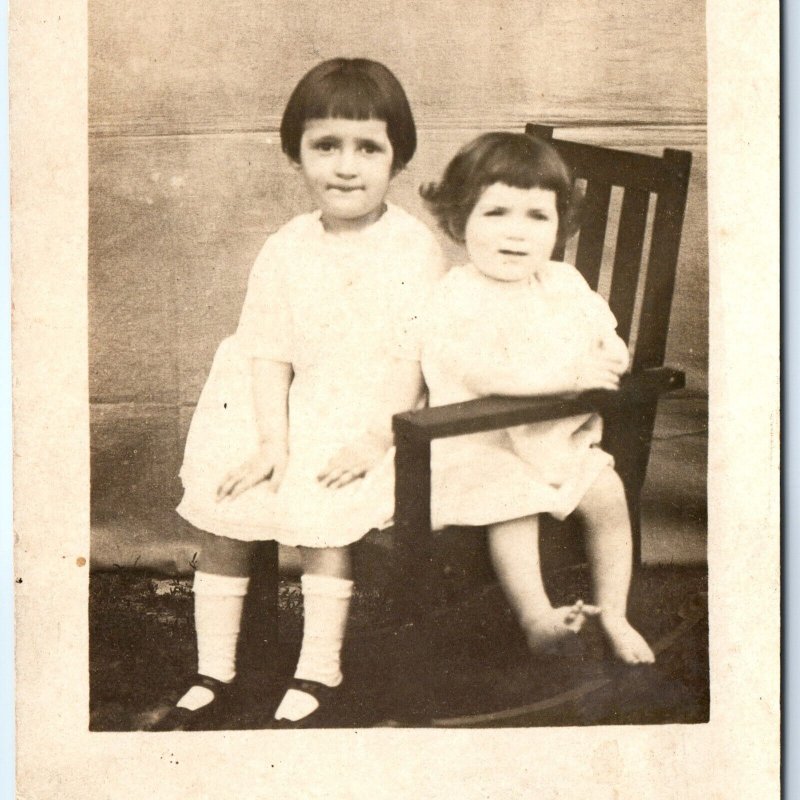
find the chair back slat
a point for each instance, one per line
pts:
(592, 237)
(639, 176)
(659, 284)
(628, 258)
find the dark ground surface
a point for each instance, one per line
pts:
(467, 665)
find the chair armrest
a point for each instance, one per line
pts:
(491, 413)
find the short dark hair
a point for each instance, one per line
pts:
(514, 159)
(351, 88)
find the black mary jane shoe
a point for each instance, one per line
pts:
(175, 718)
(322, 716)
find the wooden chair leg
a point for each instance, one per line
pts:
(259, 632)
(413, 519)
(628, 437)
(408, 688)
(635, 511)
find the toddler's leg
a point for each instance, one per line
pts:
(514, 548)
(327, 589)
(609, 547)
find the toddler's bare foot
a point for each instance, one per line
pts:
(626, 642)
(546, 631)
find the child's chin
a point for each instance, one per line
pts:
(348, 209)
(510, 275)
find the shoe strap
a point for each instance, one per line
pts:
(207, 682)
(316, 689)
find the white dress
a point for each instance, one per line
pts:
(474, 325)
(338, 308)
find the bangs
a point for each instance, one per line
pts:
(356, 89)
(524, 165)
(513, 159)
(348, 96)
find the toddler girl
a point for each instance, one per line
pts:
(292, 433)
(513, 322)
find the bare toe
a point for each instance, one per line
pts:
(556, 627)
(574, 612)
(574, 618)
(626, 642)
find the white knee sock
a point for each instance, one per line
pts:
(218, 602)
(326, 603)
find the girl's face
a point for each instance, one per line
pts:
(347, 164)
(512, 232)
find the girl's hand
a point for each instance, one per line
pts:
(353, 461)
(615, 351)
(598, 370)
(603, 365)
(268, 464)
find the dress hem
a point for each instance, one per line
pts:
(560, 504)
(246, 532)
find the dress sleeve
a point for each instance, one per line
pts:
(265, 325)
(593, 304)
(599, 308)
(600, 316)
(413, 292)
(491, 349)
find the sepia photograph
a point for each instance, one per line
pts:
(393, 393)
(286, 251)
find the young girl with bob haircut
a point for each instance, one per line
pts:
(291, 438)
(514, 322)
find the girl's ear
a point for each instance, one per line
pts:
(295, 164)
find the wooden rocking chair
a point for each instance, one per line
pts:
(629, 414)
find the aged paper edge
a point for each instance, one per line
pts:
(736, 754)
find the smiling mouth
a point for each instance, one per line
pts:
(345, 188)
(513, 252)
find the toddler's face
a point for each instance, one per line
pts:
(347, 165)
(512, 232)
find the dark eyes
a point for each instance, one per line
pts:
(540, 216)
(329, 145)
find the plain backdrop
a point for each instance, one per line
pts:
(187, 178)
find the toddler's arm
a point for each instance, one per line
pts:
(615, 348)
(271, 381)
(490, 358)
(501, 375)
(487, 368)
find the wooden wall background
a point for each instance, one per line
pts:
(187, 177)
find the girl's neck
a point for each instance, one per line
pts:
(338, 226)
